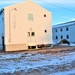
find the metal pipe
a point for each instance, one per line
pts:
(10, 23)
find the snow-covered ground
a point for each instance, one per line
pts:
(20, 63)
(56, 42)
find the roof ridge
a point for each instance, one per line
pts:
(64, 23)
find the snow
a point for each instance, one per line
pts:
(71, 72)
(72, 44)
(7, 56)
(64, 45)
(56, 42)
(11, 62)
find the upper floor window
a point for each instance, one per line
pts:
(55, 30)
(44, 15)
(67, 29)
(61, 29)
(30, 17)
(45, 31)
(32, 34)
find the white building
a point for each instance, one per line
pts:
(24, 26)
(64, 31)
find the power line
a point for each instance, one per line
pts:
(59, 6)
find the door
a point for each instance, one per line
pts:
(31, 38)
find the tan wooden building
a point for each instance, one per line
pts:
(25, 26)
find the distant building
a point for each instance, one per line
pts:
(25, 26)
(64, 31)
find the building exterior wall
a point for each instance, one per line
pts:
(17, 26)
(1, 28)
(66, 33)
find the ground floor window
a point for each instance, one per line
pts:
(67, 36)
(61, 37)
(31, 33)
(56, 37)
(28, 33)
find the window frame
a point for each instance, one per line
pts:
(32, 33)
(29, 34)
(67, 28)
(61, 30)
(56, 37)
(30, 17)
(45, 31)
(55, 30)
(67, 36)
(61, 36)
(45, 15)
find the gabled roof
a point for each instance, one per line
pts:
(27, 2)
(64, 24)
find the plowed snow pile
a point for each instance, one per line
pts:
(59, 63)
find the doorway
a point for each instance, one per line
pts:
(31, 39)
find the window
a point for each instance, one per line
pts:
(67, 36)
(32, 34)
(61, 37)
(56, 30)
(67, 29)
(45, 31)
(30, 17)
(61, 29)
(56, 37)
(28, 33)
(44, 15)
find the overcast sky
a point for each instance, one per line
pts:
(62, 10)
